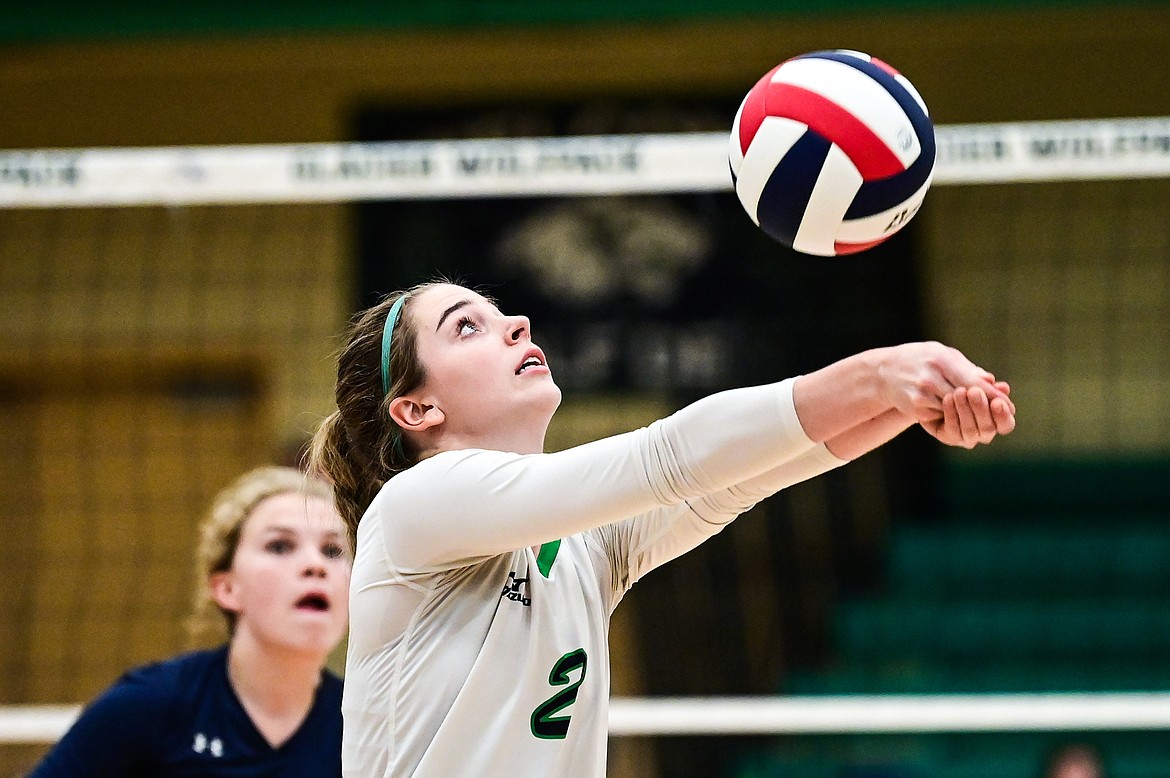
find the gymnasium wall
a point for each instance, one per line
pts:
(993, 64)
(988, 65)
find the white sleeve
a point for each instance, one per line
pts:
(645, 542)
(725, 505)
(461, 506)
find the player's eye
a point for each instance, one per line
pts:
(466, 326)
(278, 546)
(333, 550)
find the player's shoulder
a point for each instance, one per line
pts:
(177, 676)
(151, 694)
(468, 466)
(455, 461)
(330, 687)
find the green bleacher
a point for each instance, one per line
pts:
(1044, 577)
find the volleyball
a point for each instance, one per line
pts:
(832, 152)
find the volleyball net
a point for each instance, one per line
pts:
(1048, 246)
(562, 166)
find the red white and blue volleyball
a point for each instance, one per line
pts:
(832, 152)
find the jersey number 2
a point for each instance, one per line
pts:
(545, 723)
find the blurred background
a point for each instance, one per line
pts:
(151, 354)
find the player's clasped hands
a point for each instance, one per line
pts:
(971, 417)
(953, 399)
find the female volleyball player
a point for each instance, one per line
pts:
(274, 559)
(486, 571)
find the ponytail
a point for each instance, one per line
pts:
(331, 457)
(359, 447)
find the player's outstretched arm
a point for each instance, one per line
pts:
(967, 417)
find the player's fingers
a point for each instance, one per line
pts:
(968, 426)
(981, 411)
(952, 422)
(1005, 417)
(1006, 390)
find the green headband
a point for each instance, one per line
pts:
(387, 339)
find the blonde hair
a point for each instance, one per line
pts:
(219, 537)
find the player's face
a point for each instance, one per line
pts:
(289, 579)
(491, 382)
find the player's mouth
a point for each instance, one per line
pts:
(533, 360)
(314, 602)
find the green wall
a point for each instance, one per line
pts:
(73, 19)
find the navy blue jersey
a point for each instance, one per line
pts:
(181, 718)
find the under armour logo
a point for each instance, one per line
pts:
(201, 744)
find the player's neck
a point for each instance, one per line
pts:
(271, 679)
(513, 438)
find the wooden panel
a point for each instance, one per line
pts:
(119, 472)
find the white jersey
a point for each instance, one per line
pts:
(483, 584)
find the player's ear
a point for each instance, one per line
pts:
(223, 591)
(413, 415)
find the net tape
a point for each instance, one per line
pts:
(582, 165)
(642, 716)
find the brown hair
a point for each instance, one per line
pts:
(219, 537)
(359, 447)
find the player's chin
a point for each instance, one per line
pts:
(313, 622)
(316, 641)
(552, 392)
(542, 386)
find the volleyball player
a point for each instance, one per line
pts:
(274, 561)
(486, 571)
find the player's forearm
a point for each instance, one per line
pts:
(725, 505)
(833, 400)
(868, 435)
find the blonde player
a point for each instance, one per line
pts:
(486, 571)
(274, 561)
